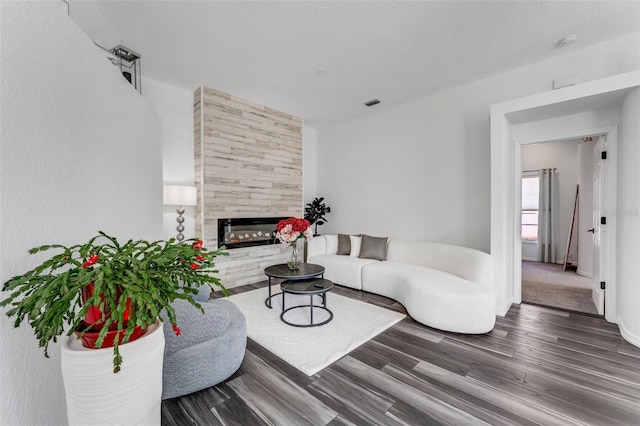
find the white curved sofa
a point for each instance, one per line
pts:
(443, 286)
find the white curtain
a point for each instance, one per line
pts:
(548, 213)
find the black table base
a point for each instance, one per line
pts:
(305, 271)
(311, 324)
(309, 287)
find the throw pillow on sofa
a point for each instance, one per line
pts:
(344, 244)
(332, 243)
(373, 248)
(355, 245)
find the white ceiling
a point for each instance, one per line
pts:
(270, 51)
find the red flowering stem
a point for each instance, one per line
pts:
(91, 261)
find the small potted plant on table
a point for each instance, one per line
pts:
(112, 292)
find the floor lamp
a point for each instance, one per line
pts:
(179, 195)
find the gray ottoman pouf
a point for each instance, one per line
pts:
(209, 349)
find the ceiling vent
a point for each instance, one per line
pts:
(372, 102)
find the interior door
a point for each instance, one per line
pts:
(598, 230)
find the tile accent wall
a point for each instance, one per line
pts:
(248, 163)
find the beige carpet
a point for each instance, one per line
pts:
(547, 284)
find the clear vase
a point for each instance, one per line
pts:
(294, 261)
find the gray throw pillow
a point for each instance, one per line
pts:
(373, 248)
(344, 244)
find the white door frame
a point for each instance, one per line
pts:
(555, 103)
(609, 205)
(598, 170)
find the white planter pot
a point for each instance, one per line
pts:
(97, 396)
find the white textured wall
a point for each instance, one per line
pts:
(421, 170)
(585, 222)
(564, 157)
(175, 107)
(91, 20)
(80, 153)
(629, 220)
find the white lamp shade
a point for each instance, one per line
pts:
(179, 195)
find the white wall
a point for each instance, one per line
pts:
(309, 164)
(421, 170)
(585, 217)
(628, 215)
(552, 128)
(562, 156)
(79, 153)
(91, 20)
(530, 251)
(175, 107)
(415, 171)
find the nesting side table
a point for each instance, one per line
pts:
(304, 272)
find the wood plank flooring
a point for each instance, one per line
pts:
(538, 366)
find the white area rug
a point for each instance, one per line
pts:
(312, 349)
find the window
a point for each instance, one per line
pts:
(530, 189)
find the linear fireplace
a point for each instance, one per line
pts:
(247, 232)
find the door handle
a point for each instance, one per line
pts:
(592, 230)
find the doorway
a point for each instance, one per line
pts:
(559, 114)
(604, 252)
(557, 249)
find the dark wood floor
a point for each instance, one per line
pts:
(538, 366)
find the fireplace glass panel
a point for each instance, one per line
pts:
(247, 232)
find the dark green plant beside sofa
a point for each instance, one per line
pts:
(314, 212)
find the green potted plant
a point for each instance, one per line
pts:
(314, 212)
(107, 288)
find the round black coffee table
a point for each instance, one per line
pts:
(305, 271)
(309, 287)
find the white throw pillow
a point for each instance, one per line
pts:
(332, 244)
(355, 246)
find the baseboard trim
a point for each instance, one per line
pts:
(535, 259)
(584, 274)
(627, 335)
(501, 311)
